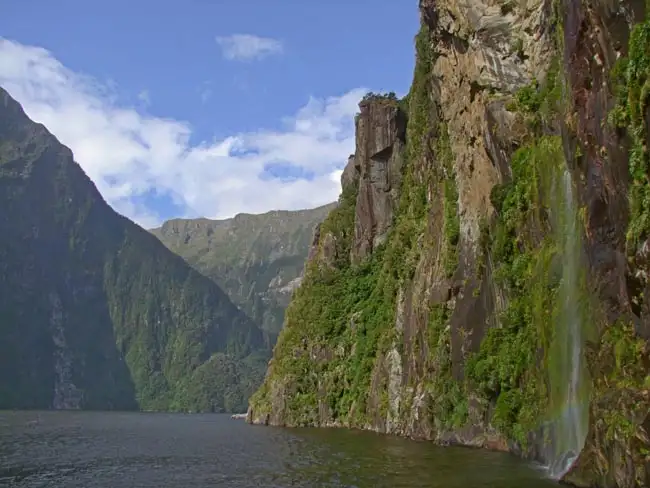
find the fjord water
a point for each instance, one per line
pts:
(119, 450)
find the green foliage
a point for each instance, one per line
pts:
(621, 357)
(507, 369)
(389, 97)
(179, 320)
(418, 176)
(340, 223)
(631, 77)
(341, 319)
(403, 103)
(448, 405)
(540, 102)
(621, 363)
(319, 321)
(336, 310)
(221, 384)
(451, 220)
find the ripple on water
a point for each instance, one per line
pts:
(115, 450)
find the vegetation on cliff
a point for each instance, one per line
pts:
(94, 311)
(618, 447)
(345, 313)
(445, 334)
(631, 76)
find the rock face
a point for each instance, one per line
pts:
(95, 312)
(377, 165)
(256, 259)
(445, 294)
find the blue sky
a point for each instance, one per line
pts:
(239, 93)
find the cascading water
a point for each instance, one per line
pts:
(568, 427)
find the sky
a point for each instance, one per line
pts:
(205, 108)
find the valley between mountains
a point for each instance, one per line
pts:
(96, 313)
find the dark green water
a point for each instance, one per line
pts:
(115, 450)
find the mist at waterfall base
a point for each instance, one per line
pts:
(566, 430)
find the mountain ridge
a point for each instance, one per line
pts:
(95, 311)
(257, 259)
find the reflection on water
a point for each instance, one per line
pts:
(114, 450)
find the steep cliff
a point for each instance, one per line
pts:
(256, 259)
(94, 311)
(483, 280)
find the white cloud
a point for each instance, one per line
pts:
(129, 155)
(247, 47)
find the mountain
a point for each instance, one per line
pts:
(256, 259)
(484, 278)
(95, 312)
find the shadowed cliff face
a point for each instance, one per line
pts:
(484, 280)
(607, 59)
(94, 311)
(256, 259)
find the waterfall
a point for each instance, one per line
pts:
(569, 406)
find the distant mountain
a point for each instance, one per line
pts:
(257, 259)
(94, 311)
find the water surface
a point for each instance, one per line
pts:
(118, 450)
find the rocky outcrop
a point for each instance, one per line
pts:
(483, 51)
(351, 172)
(516, 230)
(377, 166)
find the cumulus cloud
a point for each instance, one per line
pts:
(245, 47)
(131, 156)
